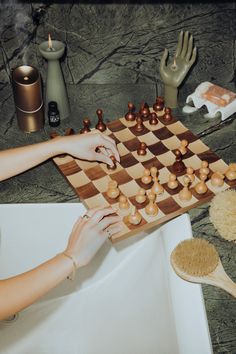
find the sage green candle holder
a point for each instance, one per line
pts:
(55, 84)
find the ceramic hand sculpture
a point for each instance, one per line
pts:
(173, 74)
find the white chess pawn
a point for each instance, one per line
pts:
(185, 194)
(231, 172)
(134, 217)
(153, 171)
(201, 187)
(217, 179)
(173, 182)
(190, 174)
(141, 196)
(113, 190)
(123, 202)
(151, 208)
(183, 146)
(146, 179)
(204, 170)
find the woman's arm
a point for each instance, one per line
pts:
(87, 236)
(17, 160)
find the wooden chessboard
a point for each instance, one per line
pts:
(90, 179)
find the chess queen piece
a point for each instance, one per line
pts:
(52, 51)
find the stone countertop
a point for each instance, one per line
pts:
(45, 184)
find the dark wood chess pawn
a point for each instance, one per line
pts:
(112, 157)
(153, 119)
(130, 115)
(139, 127)
(144, 110)
(142, 150)
(168, 114)
(178, 165)
(159, 104)
(86, 128)
(100, 125)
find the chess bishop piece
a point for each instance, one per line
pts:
(157, 188)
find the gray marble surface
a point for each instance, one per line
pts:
(113, 55)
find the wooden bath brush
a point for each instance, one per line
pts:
(197, 261)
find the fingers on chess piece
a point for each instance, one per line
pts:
(178, 165)
(168, 114)
(231, 172)
(157, 188)
(183, 146)
(86, 126)
(113, 191)
(159, 104)
(151, 208)
(185, 194)
(134, 217)
(153, 119)
(144, 110)
(190, 174)
(123, 202)
(204, 168)
(172, 182)
(142, 150)
(141, 196)
(114, 166)
(130, 115)
(139, 127)
(217, 179)
(201, 187)
(100, 124)
(146, 178)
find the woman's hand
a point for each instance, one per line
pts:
(90, 232)
(93, 146)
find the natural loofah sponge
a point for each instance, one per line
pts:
(222, 214)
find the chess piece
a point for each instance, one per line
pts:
(100, 125)
(190, 174)
(153, 171)
(146, 179)
(112, 157)
(183, 146)
(86, 127)
(151, 208)
(134, 217)
(157, 188)
(173, 182)
(217, 179)
(130, 115)
(204, 168)
(159, 104)
(231, 172)
(168, 114)
(144, 110)
(123, 202)
(201, 187)
(139, 127)
(153, 119)
(178, 165)
(185, 194)
(141, 196)
(142, 149)
(113, 190)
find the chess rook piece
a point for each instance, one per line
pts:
(153, 119)
(146, 179)
(201, 187)
(173, 182)
(113, 191)
(204, 168)
(142, 150)
(217, 179)
(123, 202)
(159, 104)
(231, 172)
(190, 174)
(141, 196)
(178, 165)
(100, 125)
(168, 114)
(139, 127)
(185, 194)
(130, 115)
(151, 208)
(134, 217)
(113, 167)
(157, 188)
(183, 146)
(144, 110)
(86, 128)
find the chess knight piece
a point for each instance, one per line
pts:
(173, 74)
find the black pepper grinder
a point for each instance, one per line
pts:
(53, 114)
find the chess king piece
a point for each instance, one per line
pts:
(173, 182)
(100, 124)
(113, 190)
(130, 115)
(178, 165)
(141, 196)
(159, 104)
(134, 217)
(86, 128)
(204, 168)
(183, 146)
(151, 208)
(185, 194)
(146, 179)
(217, 179)
(142, 150)
(201, 187)
(153, 119)
(173, 74)
(231, 172)
(123, 202)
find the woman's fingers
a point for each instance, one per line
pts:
(107, 221)
(112, 230)
(109, 144)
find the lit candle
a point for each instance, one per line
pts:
(50, 47)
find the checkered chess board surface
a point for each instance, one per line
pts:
(90, 179)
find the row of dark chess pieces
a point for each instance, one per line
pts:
(139, 116)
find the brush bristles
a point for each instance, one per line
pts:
(195, 257)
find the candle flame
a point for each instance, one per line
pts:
(49, 41)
